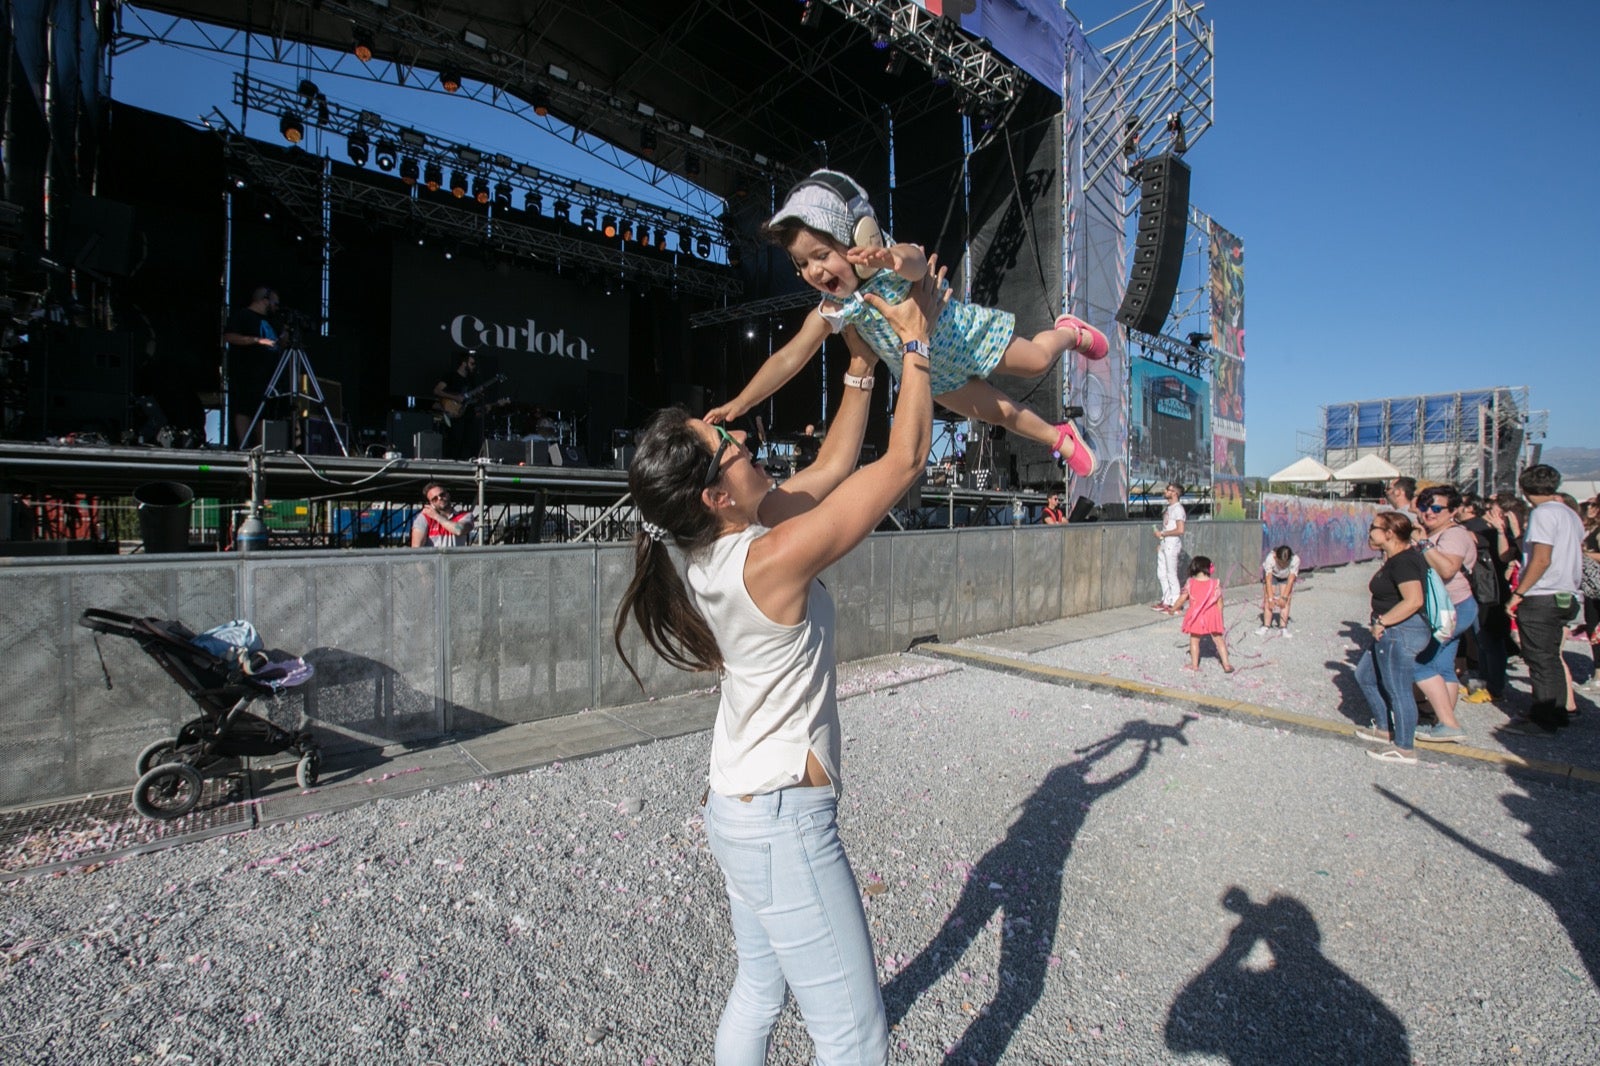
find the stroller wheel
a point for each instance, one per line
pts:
(168, 791)
(309, 769)
(154, 755)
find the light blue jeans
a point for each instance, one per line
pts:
(1442, 663)
(798, 924)
(1386, 672)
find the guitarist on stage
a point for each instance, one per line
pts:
(453, 394)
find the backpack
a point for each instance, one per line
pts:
(1438, 609)
(1484, 576)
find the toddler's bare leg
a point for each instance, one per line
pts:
(981, 400)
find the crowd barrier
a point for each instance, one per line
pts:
(418, 645)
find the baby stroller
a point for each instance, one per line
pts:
(171, 771)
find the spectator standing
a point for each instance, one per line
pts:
(1169, 539)
(1590, 587)
(1451, 551)
(1545, 598)
(1402, 496)
(1492, 633)
(1387, 668)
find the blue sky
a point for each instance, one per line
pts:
(1417, 185)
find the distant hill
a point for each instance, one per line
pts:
(1581, 464)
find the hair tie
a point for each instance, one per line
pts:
(653, 531)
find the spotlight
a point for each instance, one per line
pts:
(644, 236)
(450, 79)
(647, 142)
(661, 238)
(356, 145)
(735, 257)
(587, 216)
(458, 184)
(811, 14)
(289, 125)
(386, 155)
(880, 40)
(685, 242)
(480, 189)
(309, 90)
(361, 44)
(533, 203)
(502, 196)
(541, 102)
(322, 111)
(608, 228)
(702, 246)
(561, 211)
(408, 169)
(691, 165)
(433, 177)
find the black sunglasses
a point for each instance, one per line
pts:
(714, 471)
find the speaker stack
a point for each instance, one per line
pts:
(1158, 246)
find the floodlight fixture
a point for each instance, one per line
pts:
(480, 189)
(458, 184)
(450, 79)
(474, 39)
(413, 138)
(558, 73)
(357, 147)
(386, 155)
(608, 228)
(408, 169)
(361, 43)
(290, 126)
(470, 157)
(433, 177)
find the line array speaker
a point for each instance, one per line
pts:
(1158, 244)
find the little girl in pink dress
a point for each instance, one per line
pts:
(1202, 617)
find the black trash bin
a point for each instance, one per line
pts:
(164, 516)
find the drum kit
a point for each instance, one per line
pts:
(533, 422)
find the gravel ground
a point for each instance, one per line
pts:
(1052, 875)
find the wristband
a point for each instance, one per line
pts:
(854, 382)
(917, 348)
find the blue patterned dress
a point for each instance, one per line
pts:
(967, 340)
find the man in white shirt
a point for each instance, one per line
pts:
(1546, 596)
(1169, 537)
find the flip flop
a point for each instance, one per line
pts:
(1081, 461)
(1098, 345)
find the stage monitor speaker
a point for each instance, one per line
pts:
(426, 444)
(1082, 510)
(405, 425)
(320, 438)
(573, 455)
(514, 452)
(622, 457)
(275, 434)
(1158, 244)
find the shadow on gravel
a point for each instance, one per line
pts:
(1570, 889)
(1021, 878)
(1286, 1003)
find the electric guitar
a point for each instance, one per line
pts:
(456, 408)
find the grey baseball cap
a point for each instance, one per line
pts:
(829, 202)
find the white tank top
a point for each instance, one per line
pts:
(778, 697)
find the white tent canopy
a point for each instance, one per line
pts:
(1370, 467)
(1307, 469)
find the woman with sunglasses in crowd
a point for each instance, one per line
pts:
(1451, 550)
(725, 578)
(1387, 668)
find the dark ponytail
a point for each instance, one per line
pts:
(665, 481)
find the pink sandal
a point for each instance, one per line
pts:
(1081, 461)
(1098, 345)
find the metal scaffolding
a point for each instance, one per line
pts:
(1472, 439)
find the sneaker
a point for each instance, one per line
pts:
(1263, 631)
(1480, 696)
(1441, 734)
(1287, 635)
(1082, 461)
(1375, 735)
(1399, 755)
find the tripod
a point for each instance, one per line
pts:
(294, 362)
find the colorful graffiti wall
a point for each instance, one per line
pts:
(1227, 371)
(1322, 532)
